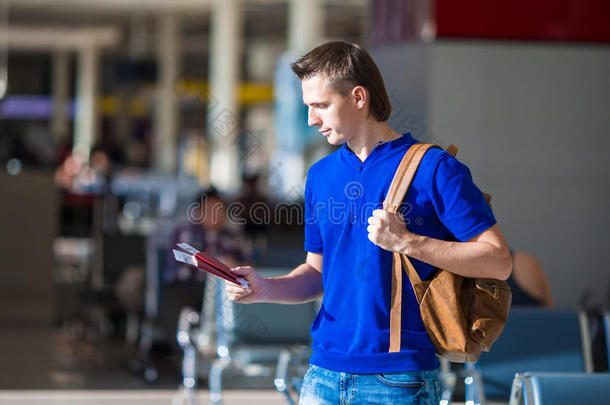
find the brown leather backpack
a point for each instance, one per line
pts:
(463, 316)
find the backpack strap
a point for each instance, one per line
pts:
(452, 150)
(398, 189)
(404, 176)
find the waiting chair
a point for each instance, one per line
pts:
(536, 340)
(292, 365)
(251, 337)
(145, 333)
(247, 338)
(560, 389)
(607, 334)
(448, 378)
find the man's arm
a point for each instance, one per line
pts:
(485, 255)
(303, 284)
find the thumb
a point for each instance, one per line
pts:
(242, 270)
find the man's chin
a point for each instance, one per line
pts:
(334, 142)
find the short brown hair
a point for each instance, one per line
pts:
(347, 65)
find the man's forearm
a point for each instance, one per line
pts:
(470, 259)
(303, 284)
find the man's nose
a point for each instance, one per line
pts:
(312, 118)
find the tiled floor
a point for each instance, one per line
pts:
(139, 397)
(42, 357)
(143, 397)
(43, 365)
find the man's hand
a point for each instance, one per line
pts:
(254, 293)
(484, 255)
(389, 232)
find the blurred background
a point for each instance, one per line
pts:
(124, 124)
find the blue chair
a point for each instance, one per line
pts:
(250, 338)
(291, 367)
(247, 339)
(537, 340)
(607, 333)
(560, 389)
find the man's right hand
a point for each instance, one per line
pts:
(302, 284)
(255, 291)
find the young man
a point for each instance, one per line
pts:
(349, 239)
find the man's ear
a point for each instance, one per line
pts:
(359, 95)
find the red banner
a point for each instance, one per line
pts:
(554, 20)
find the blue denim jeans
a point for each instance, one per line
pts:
(326, 387)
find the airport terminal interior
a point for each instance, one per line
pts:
(130, 126)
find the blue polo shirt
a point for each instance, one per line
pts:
(351, 332)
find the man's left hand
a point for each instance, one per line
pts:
(389, 232)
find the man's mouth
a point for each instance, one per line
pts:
(325, 132)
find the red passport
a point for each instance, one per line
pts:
(207, 262)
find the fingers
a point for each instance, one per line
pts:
(379, 217)
(372, 238)
(379, 224)
(242, 271)
(384, 218)
(375, 221)
(373, 233)
(247, 274)
(235, 292)
(381, 214)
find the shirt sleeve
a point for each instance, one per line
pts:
(313, 237)
(459, 203)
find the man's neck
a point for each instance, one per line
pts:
(363, 143)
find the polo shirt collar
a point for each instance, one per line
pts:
(380, 149)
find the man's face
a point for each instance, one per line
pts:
(334, 115)
(213, 214)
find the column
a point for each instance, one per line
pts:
(305, 23)
(223, 109)
(85, 119)
(165, 133)
(59, 121)
(292, 135)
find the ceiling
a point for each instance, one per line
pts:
(263, 19)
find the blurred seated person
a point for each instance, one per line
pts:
(205, 228)
(528, 282)
(78, 175)
(82, 183)
(253, 208)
